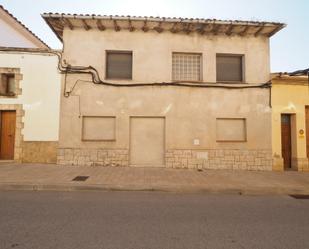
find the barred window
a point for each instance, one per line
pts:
(187, 67)
(7, 84)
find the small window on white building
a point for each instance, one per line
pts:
(7, 84)
(187, 67)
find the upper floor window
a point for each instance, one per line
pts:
(229, 68)
(187, 67)
(119, 65)
(7, 84)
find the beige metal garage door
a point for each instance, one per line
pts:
(147, 139)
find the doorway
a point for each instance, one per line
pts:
(286, 140)
(7, 133)
(147, 141)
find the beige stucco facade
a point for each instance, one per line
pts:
(290, 95)
(192, 122)
(152, 52)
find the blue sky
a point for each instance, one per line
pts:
(289, 47)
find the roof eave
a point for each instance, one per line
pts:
(49, 16)
(52, 28)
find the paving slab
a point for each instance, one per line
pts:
(60, 178)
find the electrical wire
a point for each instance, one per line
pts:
(95, 78)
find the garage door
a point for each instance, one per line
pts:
(147, 139)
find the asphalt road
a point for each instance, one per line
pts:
(139, 220)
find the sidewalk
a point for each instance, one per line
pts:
(54, 177)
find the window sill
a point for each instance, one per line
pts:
(119, 79)
(8, 96)
(231, 82)
(188, 81)
(231, 141)
(98, 140)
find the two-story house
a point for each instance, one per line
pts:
(29, 94)
(164, 92)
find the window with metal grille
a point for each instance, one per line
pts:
(229, 68)
(187, 67)
(119, 65)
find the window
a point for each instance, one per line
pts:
(118, 65)
(229, 68)
(187, 67)
(98, 128)
(7, 84)
(231, 130)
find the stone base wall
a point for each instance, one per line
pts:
(93, 157)
(300, 164)
(39, 152)
(186, 159)
(278, 164)
(220, 159)
(297, 164)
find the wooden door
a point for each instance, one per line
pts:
(307, 129)
(286, 142)
(8, 121)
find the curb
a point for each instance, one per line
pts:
(172, 189)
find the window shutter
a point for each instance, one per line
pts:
(229, 68)
(119, 65)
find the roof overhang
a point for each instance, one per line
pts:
(57, 22)
(300, 72)
(288, 78)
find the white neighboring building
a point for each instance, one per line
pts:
(29, 94)
(13, 33)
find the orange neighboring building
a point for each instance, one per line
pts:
(290, 120)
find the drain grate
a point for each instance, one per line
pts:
(80, 178)
(301, 197)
